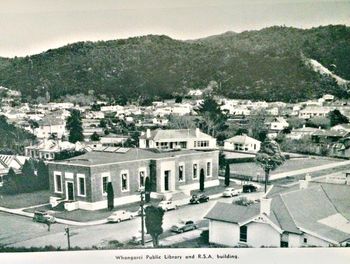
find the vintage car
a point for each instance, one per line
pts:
(199, 198)
(119, 216)
(43, 217)
(184, 226)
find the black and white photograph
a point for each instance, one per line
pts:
(163, 131)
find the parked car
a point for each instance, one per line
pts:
(248, 188)
(119, 216)
(43, 217)
(184, 226)
(230, 192)
(167, 205)
(199, 198)
(137, 239)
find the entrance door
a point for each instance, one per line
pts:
(166, 180)
(70, 191)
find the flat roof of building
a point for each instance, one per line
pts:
(116, 155)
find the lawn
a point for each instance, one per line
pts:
(24, 199)
(252, 169)
(86, 216)
(288, 180)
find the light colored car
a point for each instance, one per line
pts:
(167, 205)
(184, 226)
(119, 216)
(230, 192)
(137, 238)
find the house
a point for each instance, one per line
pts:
(242, 143)
(47, 149)
(278, 124)
(113, 140)
(299, 133)
(50, 126)
(345, 127)
(328, 97)
(10, 161)
(315, 215)
(329, 136)
(176, 139)
(310, 112)
(81, 182)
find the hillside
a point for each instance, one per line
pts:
(268, 64)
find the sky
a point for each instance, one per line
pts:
(32, 26)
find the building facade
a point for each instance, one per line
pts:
(83, 180)
(171, 139)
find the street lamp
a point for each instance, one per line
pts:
(66, 229)
(142, 203)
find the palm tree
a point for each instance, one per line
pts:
(269, 158)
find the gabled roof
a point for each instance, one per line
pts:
(166, 134)
(242, 139)
(233, 213)
(331, 133)
(322, 210)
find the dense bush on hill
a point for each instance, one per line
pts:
(266, 64)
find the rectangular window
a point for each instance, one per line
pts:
(142, 178)
(305, 240)
(58, 182)
(124, 178)
(81, 184)
(195, 144)
(181, 173)
(208, 169)
(243, 233)
(195, 171)
(105, 180)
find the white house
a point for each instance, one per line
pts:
(47, 149)
(176, 139)
(310, 112)
(50, 126)
(278, 124)
(242, 143)
(299, 133)
(310, 216)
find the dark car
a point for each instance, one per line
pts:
(43, 217)
(248, 188)
(199, 198)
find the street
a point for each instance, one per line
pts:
(22, 231)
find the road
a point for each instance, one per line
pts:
(21, 231)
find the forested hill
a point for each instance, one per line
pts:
(268, 64)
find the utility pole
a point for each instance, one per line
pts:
(142, 218)
(68, 236)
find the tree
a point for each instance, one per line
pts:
(74, 126)
(295, 122)
(201, 180)
(110, 196)
(227, 175)
(147, 190)
(154, 222)
(269, 157)
(10, 184)
(43, 175)
(319, 121)
(212, 118)
(336, 118)
(95, 137)
(28, 179)
(256, 124)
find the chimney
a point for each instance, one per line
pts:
(148, 133)
(197, 132)
(303, 125)
(303, 184)
(265, 206)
